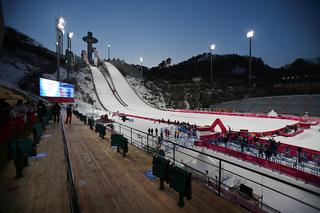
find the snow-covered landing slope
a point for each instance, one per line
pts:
(139, 107)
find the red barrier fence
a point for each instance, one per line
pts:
(289, 150)
(307, 177)
(237, 114)
(292, 151)
(291, 134)
(304, 125)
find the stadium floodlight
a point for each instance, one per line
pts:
(61, 23)
(70, 34)
(211, 47)
(250, 34)
(109, 46)
(141, 60)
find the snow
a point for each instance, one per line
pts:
(13, 72)
(272, 113)
(145, 93)
(310, 139)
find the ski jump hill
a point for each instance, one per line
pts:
(120, 97)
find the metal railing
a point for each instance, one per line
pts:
(73, 196)
(218, 173)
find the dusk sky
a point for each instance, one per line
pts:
(158, 29)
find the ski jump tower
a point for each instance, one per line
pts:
(89, 39)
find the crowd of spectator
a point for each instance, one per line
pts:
(16, 124)
(246, 142)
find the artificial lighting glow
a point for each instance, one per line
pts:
(109, 45)
(212, 46)
(63, 32)
(70, 35)
(250, 34)
(141, 59)
(57, 43)
(61, 23)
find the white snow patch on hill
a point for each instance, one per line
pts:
(13, 70)
(84, 94)
(154, 96)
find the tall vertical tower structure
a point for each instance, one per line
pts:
(89, 39)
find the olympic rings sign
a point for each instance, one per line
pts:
(196, 79)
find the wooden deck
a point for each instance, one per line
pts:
(107, 182)
(44, 185)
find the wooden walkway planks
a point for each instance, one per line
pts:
(44, 185)
(107, 182)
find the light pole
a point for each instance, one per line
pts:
(109, 46)
(61, 45)
(212, 46)
(250, 35)
(60, 23)
(141, 60)
(70, 34)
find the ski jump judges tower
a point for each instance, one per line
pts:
(89, 39)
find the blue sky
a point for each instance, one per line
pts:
(158, 29)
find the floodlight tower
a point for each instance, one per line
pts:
(141, 61)
(212, 46)
(70, 34)
(61, 44)
(250, 35)
(109, 46)
(60, 23)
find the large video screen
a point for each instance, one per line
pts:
(56, 89)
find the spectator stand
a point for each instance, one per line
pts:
(284, 158)
(11, 124)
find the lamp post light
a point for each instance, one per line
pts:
(141, 60)
(109, 46)
(60, 23)
(70, 35)
(212, 46)
(250, 35)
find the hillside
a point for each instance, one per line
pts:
(23, 61)
(230, 79)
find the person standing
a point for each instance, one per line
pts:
(42, 113)
(31, 109)
(56, 112)
(69, 114)
(17, 155)
(4, 111)
(21, 113)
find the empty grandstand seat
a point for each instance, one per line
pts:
(245, 190)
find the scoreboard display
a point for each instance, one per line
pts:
(56, 89)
